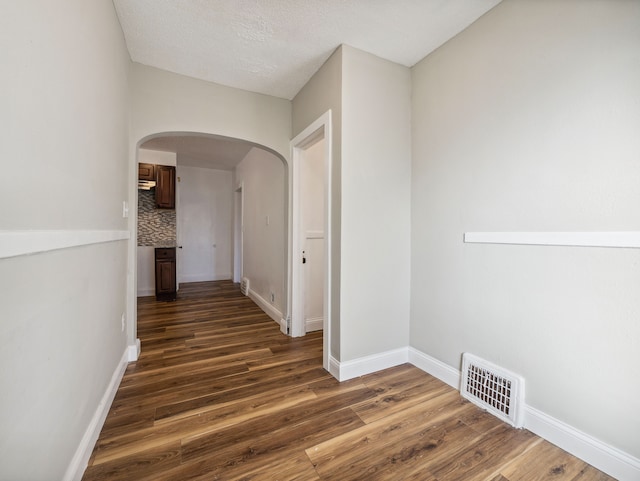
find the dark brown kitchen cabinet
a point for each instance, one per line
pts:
(165, 187)
(146, 171)
(165, 273)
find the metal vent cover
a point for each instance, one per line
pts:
(493, 388)
(244, 286)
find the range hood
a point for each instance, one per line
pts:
(146, 184)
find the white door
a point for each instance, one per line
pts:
(312, 234)
(205, 220)
(194, 228)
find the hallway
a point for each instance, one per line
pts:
(220, 393)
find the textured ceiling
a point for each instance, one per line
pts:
(275, 46)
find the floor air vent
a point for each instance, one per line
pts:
(244, 286)
(492, 388)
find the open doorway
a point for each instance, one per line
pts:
(232, 210)
(311, 232)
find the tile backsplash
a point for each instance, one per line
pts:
(156, 227)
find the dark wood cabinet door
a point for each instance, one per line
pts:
(165, 187)
(165, 273)
(146, 171)
(164, 270)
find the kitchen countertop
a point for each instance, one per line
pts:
(165, 245)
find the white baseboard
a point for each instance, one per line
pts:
(133, 352)
(314, 324)
(205, 277)
(283, 326)
(368, 364)
(80, 459)
(334, 367)
(606, 458)
(270, 310)
(145, 292)
(436, 368)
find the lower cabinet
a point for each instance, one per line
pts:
(165, 258)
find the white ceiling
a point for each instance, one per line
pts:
(202, 151)
(274, 47)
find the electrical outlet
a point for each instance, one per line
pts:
(273, 297)
(125, 209)
(122, 322)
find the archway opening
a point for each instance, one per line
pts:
(205, 226)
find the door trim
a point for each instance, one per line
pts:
(238, 232)
(319, 129)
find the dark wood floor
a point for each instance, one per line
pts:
(220, 394)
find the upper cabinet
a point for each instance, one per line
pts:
(146, 171)
(165, 177)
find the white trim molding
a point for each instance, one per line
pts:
(145, 292)
(334, 367)
(283, 326)
(606, 458)
(366, 365)
(206, 277)
(313, 324)
(270, 310)
(80, 459)
(629, 240)
(133, 352)
(15, 243)
(436, 368)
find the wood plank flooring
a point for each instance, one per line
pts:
(220, 394)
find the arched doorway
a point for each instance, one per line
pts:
(203, 161)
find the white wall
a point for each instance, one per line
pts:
(157, 157)
(262, 176)
(376, 184)
(168, 102)
(63, 141)
(528, 121)
(205, 219)
(146, 271)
